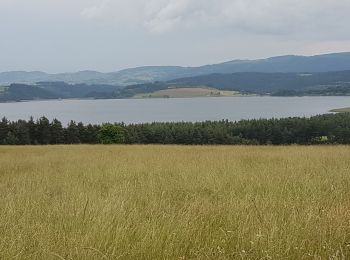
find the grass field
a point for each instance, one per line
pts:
(174, 202)
(188, 93)
(341, 110)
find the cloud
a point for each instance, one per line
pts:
(63, 35)
(252, 16)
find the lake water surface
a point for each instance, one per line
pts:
(170, 110)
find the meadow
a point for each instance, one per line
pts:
(341, 110)
(189, 93)
(175, 202)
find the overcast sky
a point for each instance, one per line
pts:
(108, 35)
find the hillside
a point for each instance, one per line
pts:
(188, 93)
(285, 64)
(263, 83)
(54, 90)
(278, 84)
(341, 110)
(19, 92)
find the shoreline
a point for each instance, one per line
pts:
(338, 110)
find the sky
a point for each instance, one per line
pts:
(109, 35)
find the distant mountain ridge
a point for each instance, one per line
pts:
(280, 64)
(335, 83)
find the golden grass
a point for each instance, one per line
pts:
(174, 202)
(341, 110)
(189, 93)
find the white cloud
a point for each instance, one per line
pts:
(254, 16)
(61, 35)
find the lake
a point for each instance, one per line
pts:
(170, 110)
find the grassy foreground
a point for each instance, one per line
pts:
(173, 202)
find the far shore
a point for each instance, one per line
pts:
(340, 110)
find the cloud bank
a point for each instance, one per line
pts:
(252, 16)
(107, 35)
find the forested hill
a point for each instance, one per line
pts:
(281, 84)
(263, 83)
(147, 74)
(54, 90)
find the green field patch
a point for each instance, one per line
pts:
(188, 93)
(341, 110)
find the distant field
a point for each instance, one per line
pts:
(174, 202)
(188, 93)
(341, 110)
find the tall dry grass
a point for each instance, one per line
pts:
(173, 202)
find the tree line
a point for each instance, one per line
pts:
(328, 91)
(322, 129)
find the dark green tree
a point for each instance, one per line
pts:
(111, 134)
(57, 133)
(43, 131)
(72, 134)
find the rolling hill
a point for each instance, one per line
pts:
(281, 64)
(54, 90)
(279, 84)
(257, 82)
